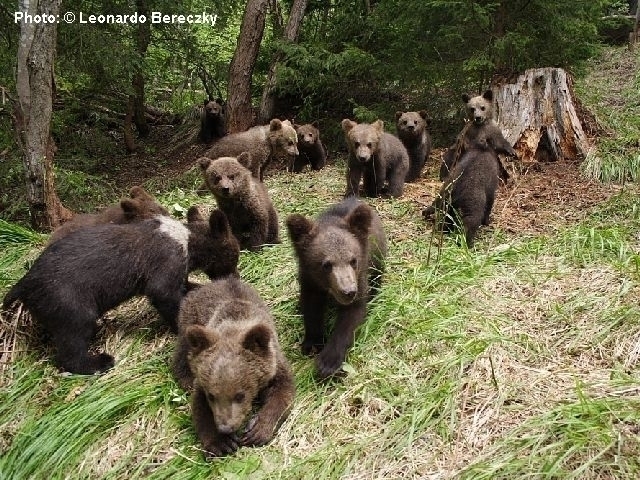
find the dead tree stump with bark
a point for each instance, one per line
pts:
(537, 116)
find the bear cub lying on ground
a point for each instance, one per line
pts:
(228, 353)
(81, 276)
(340, 261)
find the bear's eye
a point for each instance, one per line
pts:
(290, 142)
(216, 179)
(482, 108)
(369, 145)
(239, 397)
(357, 144)
(404, 122)
(210, 397)
(353, 262)
(231, 177)
(326, 266)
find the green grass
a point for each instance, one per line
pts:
(518, 358)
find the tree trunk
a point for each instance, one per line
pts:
(143, 38)
(239, 110)
(291, 32)
(537, 116)
(35, 87)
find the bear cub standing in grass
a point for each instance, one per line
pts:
(139, 207)
(242, 198)
(228, 353)
(312, 151)
(482, 125)
(340, 260)
(468, 192)
(212, 121)
(412, 131)
(377, 155)
(83, 275)
(264, 143)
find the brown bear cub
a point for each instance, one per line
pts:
(83, 275)
(140, 206)
(412, 131)
(212, 121)
(264, 143)
(468, 192)
(379, 156)
(228, 354)
(340, 261)
(312, 151)
(242, 198)
(480, 111)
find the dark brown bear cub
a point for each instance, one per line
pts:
(140, 206)
(378, 156)
(481, 126)
(412, 131)
(340, 259)
(228, 353)
(212, 121)
(81, 276)
(468, 192)
(312, 151)
(242, 198)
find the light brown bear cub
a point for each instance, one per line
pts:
(264, 143)
(412, 131)
(244, 200)
(228, 353)
(377, 155)
(340, 262)
(481, 126)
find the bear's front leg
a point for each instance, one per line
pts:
(312, 304)
(329, 361)
(354, 174)
(213, 442)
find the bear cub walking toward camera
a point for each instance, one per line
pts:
(212, 121)
(469, 191)
(83, 275)
(377, 155)
(481, 126)
(228, 353)
(242, 198)
(312, 151)
(412, 131)
(340, 261)
(140, 206)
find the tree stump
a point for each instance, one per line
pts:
(537, 116)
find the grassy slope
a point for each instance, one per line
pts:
(519, 358)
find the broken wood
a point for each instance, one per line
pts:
(537, 116)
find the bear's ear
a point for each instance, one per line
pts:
(257, 340)
(275, 124)
(398, 115)
(378, 125)
(359, 221)
(219, 224)
(199, 338)
(423, 114)
(205, 101)
(347, 125)
(246, 160)
(296, 126)
(315, 124)
(204, 162)
(219, 101)
(299, 227)
(130, 207)
(488, 95)
(465, 98)
(194, 215)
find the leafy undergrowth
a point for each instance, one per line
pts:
(517, 358)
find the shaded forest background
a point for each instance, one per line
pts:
(358, 59)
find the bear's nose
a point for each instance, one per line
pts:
(225, 190)
(411, 127)
(225, 429)
(363, 158)
(349, 292)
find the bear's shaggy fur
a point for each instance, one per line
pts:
(139, 207)
(340, 261)
(212, 121)
(469, 190)
(264, 143)
(481, 125)
(242, 198)
(380, 156)
(312, 151)
(413, 131)
(228, 353)
(81, 276)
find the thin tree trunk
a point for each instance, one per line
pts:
(35, 87)
(143, 38)
(239, 110)
(291, 32)
(537, 116)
